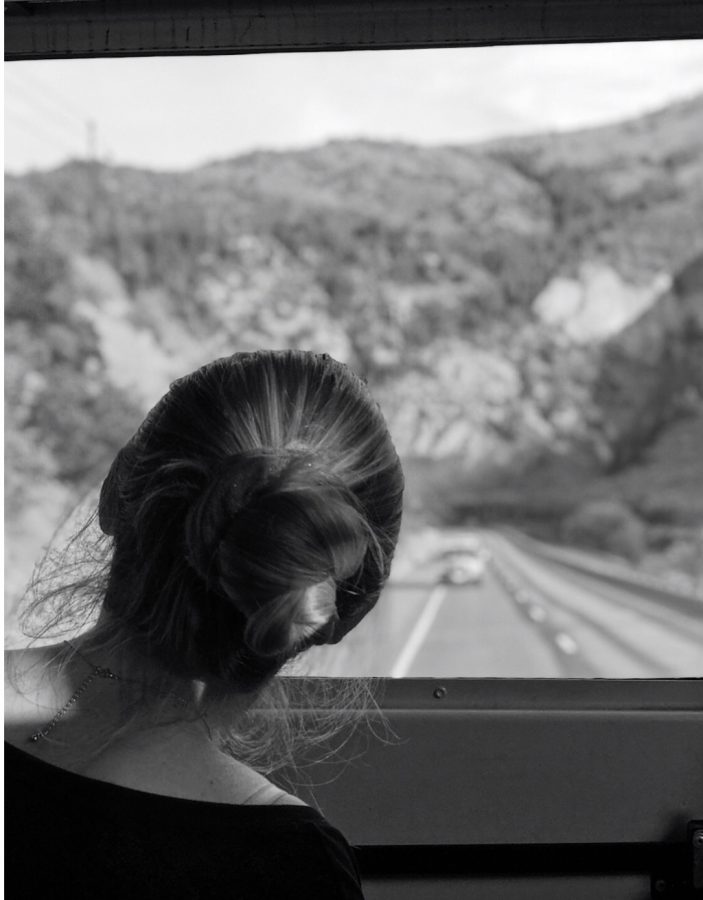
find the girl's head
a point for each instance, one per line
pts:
(253, 514)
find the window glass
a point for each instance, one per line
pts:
(506, 242)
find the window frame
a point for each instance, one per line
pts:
(59, 29)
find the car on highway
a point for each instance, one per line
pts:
(463, 566)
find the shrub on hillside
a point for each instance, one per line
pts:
(608, 526)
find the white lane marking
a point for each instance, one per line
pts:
(536, 613)
(566, 643)
(419, 632)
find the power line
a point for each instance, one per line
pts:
(33, 129)
(41, 97)
(37, 123)
(47, 102)
(46, 89)
(37, 119)
(38, 93)
(44, 106)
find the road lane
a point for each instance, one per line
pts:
(479, 634)
(662, 614)
(617, 639)
(373, 646)
(529, 618)
(418, 635)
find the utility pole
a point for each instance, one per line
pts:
(91, 140)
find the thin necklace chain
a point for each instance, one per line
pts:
(97, 672)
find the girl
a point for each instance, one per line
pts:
(253, 515)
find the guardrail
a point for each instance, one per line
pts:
(649, 585)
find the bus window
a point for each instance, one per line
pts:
(517, 274)
(122, 269)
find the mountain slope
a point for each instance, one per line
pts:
(523, 306)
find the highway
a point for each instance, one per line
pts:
(529, 617)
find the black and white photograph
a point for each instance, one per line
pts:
(354, 450)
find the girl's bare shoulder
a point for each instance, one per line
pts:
(175, 761)
(186, 768)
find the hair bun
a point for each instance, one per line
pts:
(274, 532)
(230, 488)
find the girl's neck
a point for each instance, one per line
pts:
(65, 708)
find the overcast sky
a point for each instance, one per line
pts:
(174, 113)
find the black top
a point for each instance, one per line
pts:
(68, 835)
